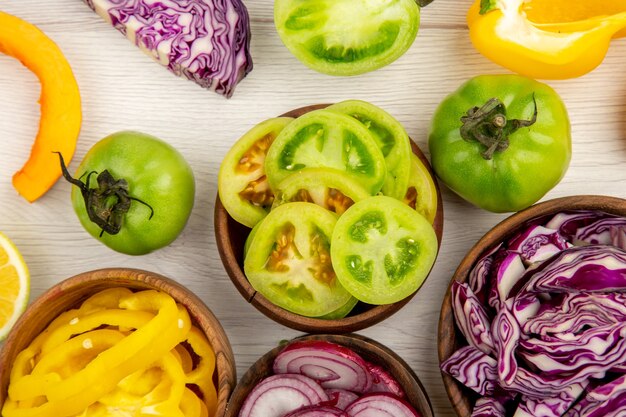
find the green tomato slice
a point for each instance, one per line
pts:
(390, 137)
(382, 250)
(328, 188)
(342, 311)
(421, 193)
(347, 37)
(324, 138)
(288, 260)
(241, 182)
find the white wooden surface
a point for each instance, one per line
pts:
(123, 89)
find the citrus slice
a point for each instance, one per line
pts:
(14, 285)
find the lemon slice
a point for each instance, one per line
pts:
(14, 285)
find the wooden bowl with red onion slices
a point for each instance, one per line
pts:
(536, 282)
(231, 237)
(68, 295)
(327, 376)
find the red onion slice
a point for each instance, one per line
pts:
(341, 398)
(334, 366)
(317, 411)
(381, 405)
(278, 395)
(383, 381)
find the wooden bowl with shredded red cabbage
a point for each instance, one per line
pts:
(517, 317)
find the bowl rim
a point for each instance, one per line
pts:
(367, 318)
(139, 279)
(359, 344)
(447, 341)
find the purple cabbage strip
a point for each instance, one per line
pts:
(574, 358)
(550, 407)
(599, 232)
(577, 312)
(606, 400)
(506, 336)
(525, 307)
(594, 268)
(479, 275)
(206, 41)
(471, 318)
(472, 368)
(568, 223)
(488, 407)
(537, 244)
(507, 271)
(618, 237)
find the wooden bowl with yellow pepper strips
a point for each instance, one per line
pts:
(116, 341)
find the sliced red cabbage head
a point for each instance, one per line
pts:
(472, 368)
(507, 270)
(618, 237)
(205, 41)
(488, 407)
(480, 273)
(567, 223)
(506, 337)
(606, 400)
(549, 407)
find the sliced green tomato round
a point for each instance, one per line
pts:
(241, 182)
(342, 311)
(382, 250)
(421, 193)
(246, 245)
(288, 260)
(347, 37)
(390, 137)
(329, 188)
(324, 138)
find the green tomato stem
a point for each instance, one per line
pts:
(107, 204)
(489, 126)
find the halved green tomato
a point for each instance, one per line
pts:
(421, 193)
(288, 260)
(241, 182)
(324, 138)
(382, 250)
(391, 138)
(331, 189)
(347, 37)
(342, 311)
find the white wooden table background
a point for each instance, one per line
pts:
(122, 88)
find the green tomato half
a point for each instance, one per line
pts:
(159, 189)
(347, 37)
(501, 157)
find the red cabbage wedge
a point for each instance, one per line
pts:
(206, 41)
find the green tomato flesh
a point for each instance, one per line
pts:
(241, 182)
(390, 137)
(288, 260)
(382, 250)
(157, 174)
(347, 37)
(534, 162)
(324, 138)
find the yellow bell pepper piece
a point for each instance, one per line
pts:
(61, 115)
(503, 32)
(202, 374)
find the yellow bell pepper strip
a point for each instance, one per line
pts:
(61, 116)
(502, 31)
(183, 356)
(202, 374)
(192, 406)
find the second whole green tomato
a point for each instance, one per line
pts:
(133, 192)
(501, 141)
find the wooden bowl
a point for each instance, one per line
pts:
(367, 348)
(231, 237)
(450, 339)
(73, 291)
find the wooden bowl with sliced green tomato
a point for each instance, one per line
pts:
(534, 315)
(303, 230)
(117, 341)
(330, 375)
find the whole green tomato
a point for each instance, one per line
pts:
(501, 141)
(133, 192)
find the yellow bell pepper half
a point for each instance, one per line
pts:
(558, 46)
